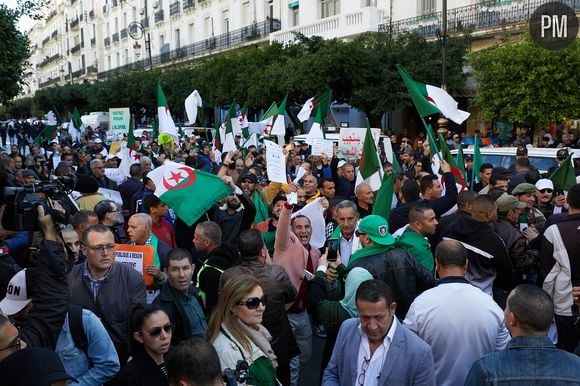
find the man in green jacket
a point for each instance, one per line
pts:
(422, 223)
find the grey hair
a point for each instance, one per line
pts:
(144, 217)
(211, 231)
(94, 163)
(346, 204)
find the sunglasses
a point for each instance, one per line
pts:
(546, 190)
(359, 233)
(254, 303)
(157, 330)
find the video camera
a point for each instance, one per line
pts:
(239, 376)
(21, 213)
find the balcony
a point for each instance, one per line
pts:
(107, 42)
(75, 49)
(93, 41)
(188, 4)
(92, 13)
(159, 16)
(45, 41)
(91, 69)
(49, 82)
(124, 33)
(367, 19)
(115, 3)
(48, 59)
(115, 37)
(74, 22)
(174, 8)
(145, 22)
(477, 18)
(54, 34)
(255, 33)
(77, 74)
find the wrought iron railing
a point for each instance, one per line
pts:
(174, 8)
(107, 41)
(75, 49)
(124, 33)
(116, 37)
(485, 15)
(159, 16)
(253, 32)
(188, 4)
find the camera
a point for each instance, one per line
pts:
(21, 213)
(239, 376)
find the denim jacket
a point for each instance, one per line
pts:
(527, 360)
(99, 364)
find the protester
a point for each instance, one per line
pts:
(194, 363)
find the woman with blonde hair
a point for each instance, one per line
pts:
(236, 332)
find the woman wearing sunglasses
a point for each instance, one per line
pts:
(236, 332)
(150, 337)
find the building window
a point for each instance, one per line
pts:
(427, 6)
(329, 8)
(177, 38)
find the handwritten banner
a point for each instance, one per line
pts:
(137, 257)
(275, 162)
(350, 142)
(322, 146)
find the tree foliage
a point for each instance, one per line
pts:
(361, 72)
(14, 49)
(525, 84)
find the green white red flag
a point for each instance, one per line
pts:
(166, 124)
(189, 192)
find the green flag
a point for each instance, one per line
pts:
(564, 177)
(447, 156)
(370, 169)
(154, 130)
(76, 119)
(131, 135)
(48, 134)
(384, 196)
(477, 162)
(268, 118)
(461, 162)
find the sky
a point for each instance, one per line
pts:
(25, 23)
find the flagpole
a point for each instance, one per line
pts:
(429, 131)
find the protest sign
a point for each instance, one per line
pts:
(119, 120)
(322, 146)
(137, 257)
(276, 162)
(351, 141)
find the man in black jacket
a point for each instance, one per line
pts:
(219, 257)
(180, 298)
(277, 286)
(489, 268)
(431, 191)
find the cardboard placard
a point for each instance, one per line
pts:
(350, 142)
(322, 146)
(137, 257)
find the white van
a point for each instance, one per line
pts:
(540, 158)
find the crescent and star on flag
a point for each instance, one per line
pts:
(178, 177)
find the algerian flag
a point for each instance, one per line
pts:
(316, 129)
(477, 162)
(243, 121)
(128, 153)
(461, 163)
(279, 127)
(229, 143)
(217, 136)
(189, 192)
(384, 196)
(166, 124)
(268, 118)
(432, 100)
(49, 132)
(564, 177)
(192, 103)
(321, 100)
(446, 155)
(370, 169)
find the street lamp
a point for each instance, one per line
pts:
(137, 31)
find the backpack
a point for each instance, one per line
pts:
(75, 323)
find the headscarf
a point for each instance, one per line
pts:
(354, 278)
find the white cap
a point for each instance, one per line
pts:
(544, 183)
(341, 163)
(16, 295)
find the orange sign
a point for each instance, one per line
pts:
(136, 256)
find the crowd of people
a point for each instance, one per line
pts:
(470, 286)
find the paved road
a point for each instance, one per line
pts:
(310, 376)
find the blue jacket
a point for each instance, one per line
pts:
(526, 360)
(408, 362)
(99, 364)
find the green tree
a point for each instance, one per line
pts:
(14, 47)
(525, 84)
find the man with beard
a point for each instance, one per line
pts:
(268, 227)
(422, 223)
(247, 183)
(238, 212)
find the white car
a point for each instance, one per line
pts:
(540, 158)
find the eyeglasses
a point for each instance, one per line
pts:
(359, 233)
(365, 367)
(156, 332)
(547, 190)
(101, 248)
(254, 303)
(14, 344)
(404, 141)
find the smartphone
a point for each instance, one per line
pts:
(332, 249)
(308, 275)
(558, 192)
